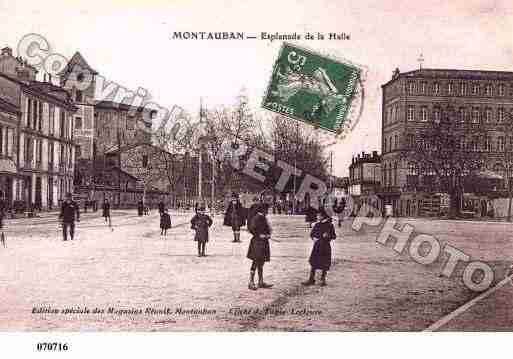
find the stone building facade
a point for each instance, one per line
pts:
(36, 136)
(364, 179)
(411, 100)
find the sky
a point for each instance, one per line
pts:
(129, 41)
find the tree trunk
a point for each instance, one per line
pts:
(510, 193)
(455, 203)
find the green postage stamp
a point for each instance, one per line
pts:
(316, 89)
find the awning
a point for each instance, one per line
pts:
(489, 175)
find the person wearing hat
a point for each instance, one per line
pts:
(201, 222)
(68, 215)
(259, 250)
(234, 217)
(322, 234)
(165, 222)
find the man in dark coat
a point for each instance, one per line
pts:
(201, 222)
(106, 211)
(259, 250)
(162, 207)
(165, 222)
(69, 213)
(140, 208)
(322, 234)
(234, 217)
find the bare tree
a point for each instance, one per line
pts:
(447, 151)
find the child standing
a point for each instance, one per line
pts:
(165, 222)
(201, 222)
(322, 234)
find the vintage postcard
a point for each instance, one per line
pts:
(222, 166)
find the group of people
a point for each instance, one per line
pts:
(259, 250)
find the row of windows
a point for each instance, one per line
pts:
(456, 89)
(33, 150)
(476, 144)
(7, 140)
(463, 114)
(390, 177)
(35, 118)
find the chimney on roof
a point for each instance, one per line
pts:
(7, 51)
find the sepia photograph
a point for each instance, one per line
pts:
(223, 167)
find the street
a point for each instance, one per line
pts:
(156, 283)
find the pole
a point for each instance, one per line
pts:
(331, 171)
(212, 205)
(200, 171)
(295, 166)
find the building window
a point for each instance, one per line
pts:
(475, 144)
(475, 89)
(395, 174)
(423, 114)
(51, 118)
(411, 88)
(500, 115)
(396, 140)
(488, 90)
(145, 161)
(411, 113)
(488, 115)
(385, 144)
(502, 90)
(29, 111)
(436, 88)
(501, 144)
(410, 140)
(1, 141)
(62, 122)
(78, 96)
(35, 112)
(475, 115)
(423, 86)
(449, 88)
(78, 123)
(78, 152)
(461, 114)
(463, 89)
(488, 144)
(436, 115)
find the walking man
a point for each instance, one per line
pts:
(106, 211)
(69, 213)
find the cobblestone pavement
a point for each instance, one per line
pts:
(156, 283)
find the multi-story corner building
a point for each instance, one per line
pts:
(411, 100)
(38, 140)
(101, 123)
(10, 115)
(364, 179)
